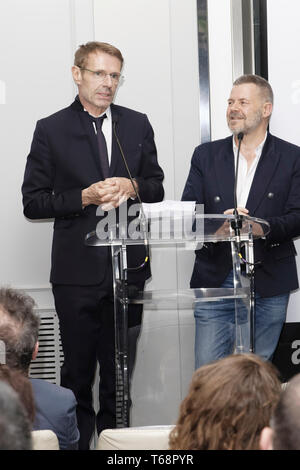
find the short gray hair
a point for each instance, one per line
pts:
(19, 327)
(260, 82)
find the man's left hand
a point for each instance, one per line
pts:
(117, 190)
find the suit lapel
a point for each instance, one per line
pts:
(264, 172)
(117, 130)
(224, 168)
(86, 130)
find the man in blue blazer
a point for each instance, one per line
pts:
(55, 406)
(74, 166)
(55, 409)
(268, 188)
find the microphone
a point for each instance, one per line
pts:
(237, 223)
(143, 216)
(115, 121)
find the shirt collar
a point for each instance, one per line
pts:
(107, 112)
(258, 149)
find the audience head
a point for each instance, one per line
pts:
(19, 328)
(21, 384)
(228, 404)
(15, 428)
(283, 433)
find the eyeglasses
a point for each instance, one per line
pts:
(100, 75)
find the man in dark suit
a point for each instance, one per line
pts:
(55, 406)
(268, 188)
(74, 166)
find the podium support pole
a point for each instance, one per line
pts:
(119, 255)
(250, 272)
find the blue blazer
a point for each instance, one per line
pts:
(56, 410)
(62, 161)
(274, 196)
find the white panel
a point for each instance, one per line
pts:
(35, 65)
(82, 17)
(220, 64)
(185, 88)
(284, 76)
(37, 41)
(237, 38)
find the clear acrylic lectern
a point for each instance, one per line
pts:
(179, 231)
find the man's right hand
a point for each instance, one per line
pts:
(92, 194)
(109, 193)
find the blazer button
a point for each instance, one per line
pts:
(270, 195)
(217, 199)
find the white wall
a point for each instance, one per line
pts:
(284, 76)
(220, 64)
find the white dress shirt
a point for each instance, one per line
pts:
(245, 176)
(107, 130)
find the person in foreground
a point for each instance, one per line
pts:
(15, 426)
(268, 187)
(21, 384)
(55, 406)
(75, 168)
(228, 404)
(283, 432)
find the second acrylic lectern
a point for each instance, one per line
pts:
(189, 234)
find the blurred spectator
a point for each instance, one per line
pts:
(55, 406)
(228, 404)
(283, 433)
(15, 428)
(22, 386)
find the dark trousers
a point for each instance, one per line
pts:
(86, 318)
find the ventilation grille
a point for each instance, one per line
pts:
(50, 355)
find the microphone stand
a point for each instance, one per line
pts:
(143, 218)
(236, 225)
(124, 295)
(250, 273)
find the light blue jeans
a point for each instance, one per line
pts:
(215, 326)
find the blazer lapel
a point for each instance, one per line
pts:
(264, 172)
(86, 130)
(116, 133)
(224, 168)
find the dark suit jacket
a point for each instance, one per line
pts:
(56, 410)
(63, 160)
(274, 196)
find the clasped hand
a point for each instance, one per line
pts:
(109, 193)
(224, 230)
